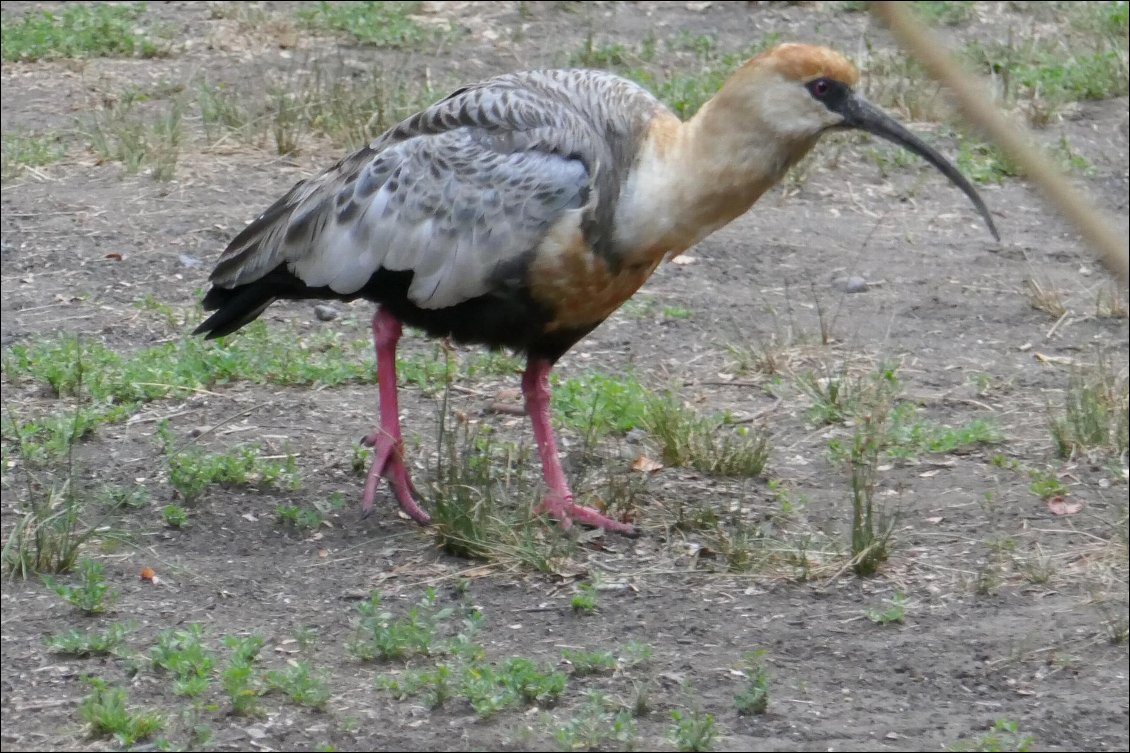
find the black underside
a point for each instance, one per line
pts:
(508, 320)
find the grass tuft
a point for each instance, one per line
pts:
(693, 730)
(106, 711)
(20, 151)
(92, 595)
(1096, 412)
(379, 24)
(82, 644)
(78, 31)
(754, 697)
(705, 444)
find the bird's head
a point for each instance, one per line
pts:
(794, 93)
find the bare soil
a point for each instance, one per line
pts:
(985, 637)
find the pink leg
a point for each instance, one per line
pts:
(559, 503)
(386, 441)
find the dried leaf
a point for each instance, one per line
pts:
(1059, 360)
(644, 464)
(1060, 506)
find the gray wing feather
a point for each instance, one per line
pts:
(456, 192)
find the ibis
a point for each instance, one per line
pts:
(521, 211)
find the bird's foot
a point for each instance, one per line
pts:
(388, 463)
(565, 511)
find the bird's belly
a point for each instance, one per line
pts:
(579, 288)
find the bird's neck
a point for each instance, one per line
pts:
(692, 178)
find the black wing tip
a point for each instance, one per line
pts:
(233, 307)
(217, 325)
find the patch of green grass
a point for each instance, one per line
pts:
(1095, 414)
(1041, 75)
(78, 31)
(137, 137)
(705, 444)
(1046, 485)
(636, 654)
(1111, 303)
(487, 687)
(334, 102)
(223, 111)
(381, 636)
(92, 595)
(49, 440)
(1044, 296)
(1109, 19)
(135, 497)
(106, 711)
(870, 527)
(834, 398)
(596, 404)
(1004, 736)
(1044, 71)
(238, 677)
(597, 727)
(908, 436)
(49, 534)
(192, 471)
(346, 108)
(174, 516)
(380, 24)
(49, 530)
(693, 730)
(589, 662)
(788, 502)
(299, 518)
(849, 399)
(438, 685)
(299, 684)
(478, 482)
(257, 354)
(873, 405)
(19, 151)
(754, 696)
(945, 13)
(983, 163)
(692, 71)
(517, 681)
(85, 643)
(584, 601)
(894, 613)
(676, 312)
(113, 386)
(183, 655)
(481, 499)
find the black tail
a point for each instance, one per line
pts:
(242, 305)
(234, 308)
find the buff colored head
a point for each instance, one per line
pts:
(794, 93)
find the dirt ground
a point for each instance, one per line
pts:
(1009, 609)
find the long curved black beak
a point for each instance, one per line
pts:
(861, 114)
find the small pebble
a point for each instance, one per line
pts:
(853, 284)
(325, 313)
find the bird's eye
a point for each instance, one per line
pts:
(820, 87)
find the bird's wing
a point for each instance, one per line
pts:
(456, 195)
